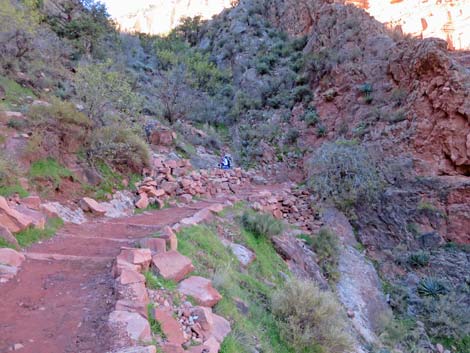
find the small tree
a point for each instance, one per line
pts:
(344, 172)
(103, 89)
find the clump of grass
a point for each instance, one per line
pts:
(261, 224)
(9, 174)
(155, 326)
(154, 282)
(30, 236)
(325, 245)
(310, 320)
(419, 259)
(431, 287)
(255, 325)
(50, 170)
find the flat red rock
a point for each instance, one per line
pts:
(172, 265)
(201, 289)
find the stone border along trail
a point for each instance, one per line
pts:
(63, 294)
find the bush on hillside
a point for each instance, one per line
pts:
(326, 247)
(262, 225)
(344, 172)
(102, 90)
(9, 175)
(119, 148)
(310, 319)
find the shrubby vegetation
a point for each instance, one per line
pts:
(310, 320)
(344, 173)
(261, 224)
(120, 148)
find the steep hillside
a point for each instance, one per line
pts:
(358, 133)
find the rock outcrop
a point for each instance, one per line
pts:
(162, 16)
(447, 20)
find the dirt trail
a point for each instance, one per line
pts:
(60, 300)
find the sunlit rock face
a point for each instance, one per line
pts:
(446, 19)
(164, 15)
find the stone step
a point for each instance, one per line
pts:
(61, 257)
(201, 290)
(170, 327)
(172, 265)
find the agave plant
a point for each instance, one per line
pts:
(431, 287)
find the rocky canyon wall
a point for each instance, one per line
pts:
(445, 19)
(164, 15)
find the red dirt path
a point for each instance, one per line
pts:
(61, 298)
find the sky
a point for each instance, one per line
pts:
(118, 8)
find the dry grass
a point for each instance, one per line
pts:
(311, 320)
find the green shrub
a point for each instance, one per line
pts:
(9, 174)
(62, 119)
(120, 148)
(366, 88)
(49, 170)
(447, 317)
(311, 118)
(33, 235)
(326, 247)
(262, 68)
(61, 111)
(292, 136)
(419, 259)
(261, 224)
(321, 130)
(302, 93)
(309, 319)
(431, 287)
(344, 172)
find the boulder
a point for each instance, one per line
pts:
(136, 326)
(221, 328)
(11, 257)
(32, 202)
(7, 273)
(143, 201)
(170, 327)
(156, 245)
(213, 344)
(243, 254)
(185, 198)
(129, 276)
(38, 219)
(170, 237)
(169, 187)
(6, 235)
(139, 257)
(136, 292)
(49, 210)
(201, 290)
(172, 348)
(204, 317)
(89, 205)
(121, 264)
(131, 306)
(11, 219)
(172, 265)
(161, 138)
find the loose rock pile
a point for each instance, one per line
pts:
(184, 327)
(289, 203)
(176, 179)
(10, 261)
